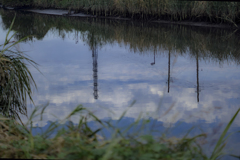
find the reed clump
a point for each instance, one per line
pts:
(175, 10)
(16, 81)
(81, 142)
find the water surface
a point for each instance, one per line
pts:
(180, 76)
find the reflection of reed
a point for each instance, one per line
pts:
(93, 46)
(197, 70)
(208, 44)
(142, 39)
(169, 64)
(95, 72)
(154, 57)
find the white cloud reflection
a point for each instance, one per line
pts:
(124, 77)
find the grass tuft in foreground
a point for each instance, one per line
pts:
(81, 142)
(16, 80)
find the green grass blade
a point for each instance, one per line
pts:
(218, 147)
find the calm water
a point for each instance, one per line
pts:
(180, 76)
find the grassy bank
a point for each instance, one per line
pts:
(216, 12)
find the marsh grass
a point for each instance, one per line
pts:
(81, 142)
(175, 10)
(16, 80)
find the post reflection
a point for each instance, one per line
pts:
(169, 74)
(197, 70)
(154, 57)
(95, 72)
(93, 47)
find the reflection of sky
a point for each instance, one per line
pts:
(124, 76)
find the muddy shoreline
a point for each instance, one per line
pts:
(62, 12)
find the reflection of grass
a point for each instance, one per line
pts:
(16, 79)
(77, 142)
(208, 43)
(81, 142)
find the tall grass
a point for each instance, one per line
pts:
(16, 80)
(217, 12)
(81, 142)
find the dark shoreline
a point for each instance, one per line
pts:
(189, 23)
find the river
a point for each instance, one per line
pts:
(180, 76)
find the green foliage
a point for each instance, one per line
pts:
(16, 80)
(217, 152)
(81, 142)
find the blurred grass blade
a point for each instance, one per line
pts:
(124, 113)
(218, 148)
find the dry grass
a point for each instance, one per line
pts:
(216, 12)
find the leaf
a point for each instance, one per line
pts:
(218, 148)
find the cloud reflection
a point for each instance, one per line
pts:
(124, 77)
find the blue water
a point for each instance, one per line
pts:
(173, 103)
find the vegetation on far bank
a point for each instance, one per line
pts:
(176, 10)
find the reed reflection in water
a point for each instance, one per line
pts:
(114, 67)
